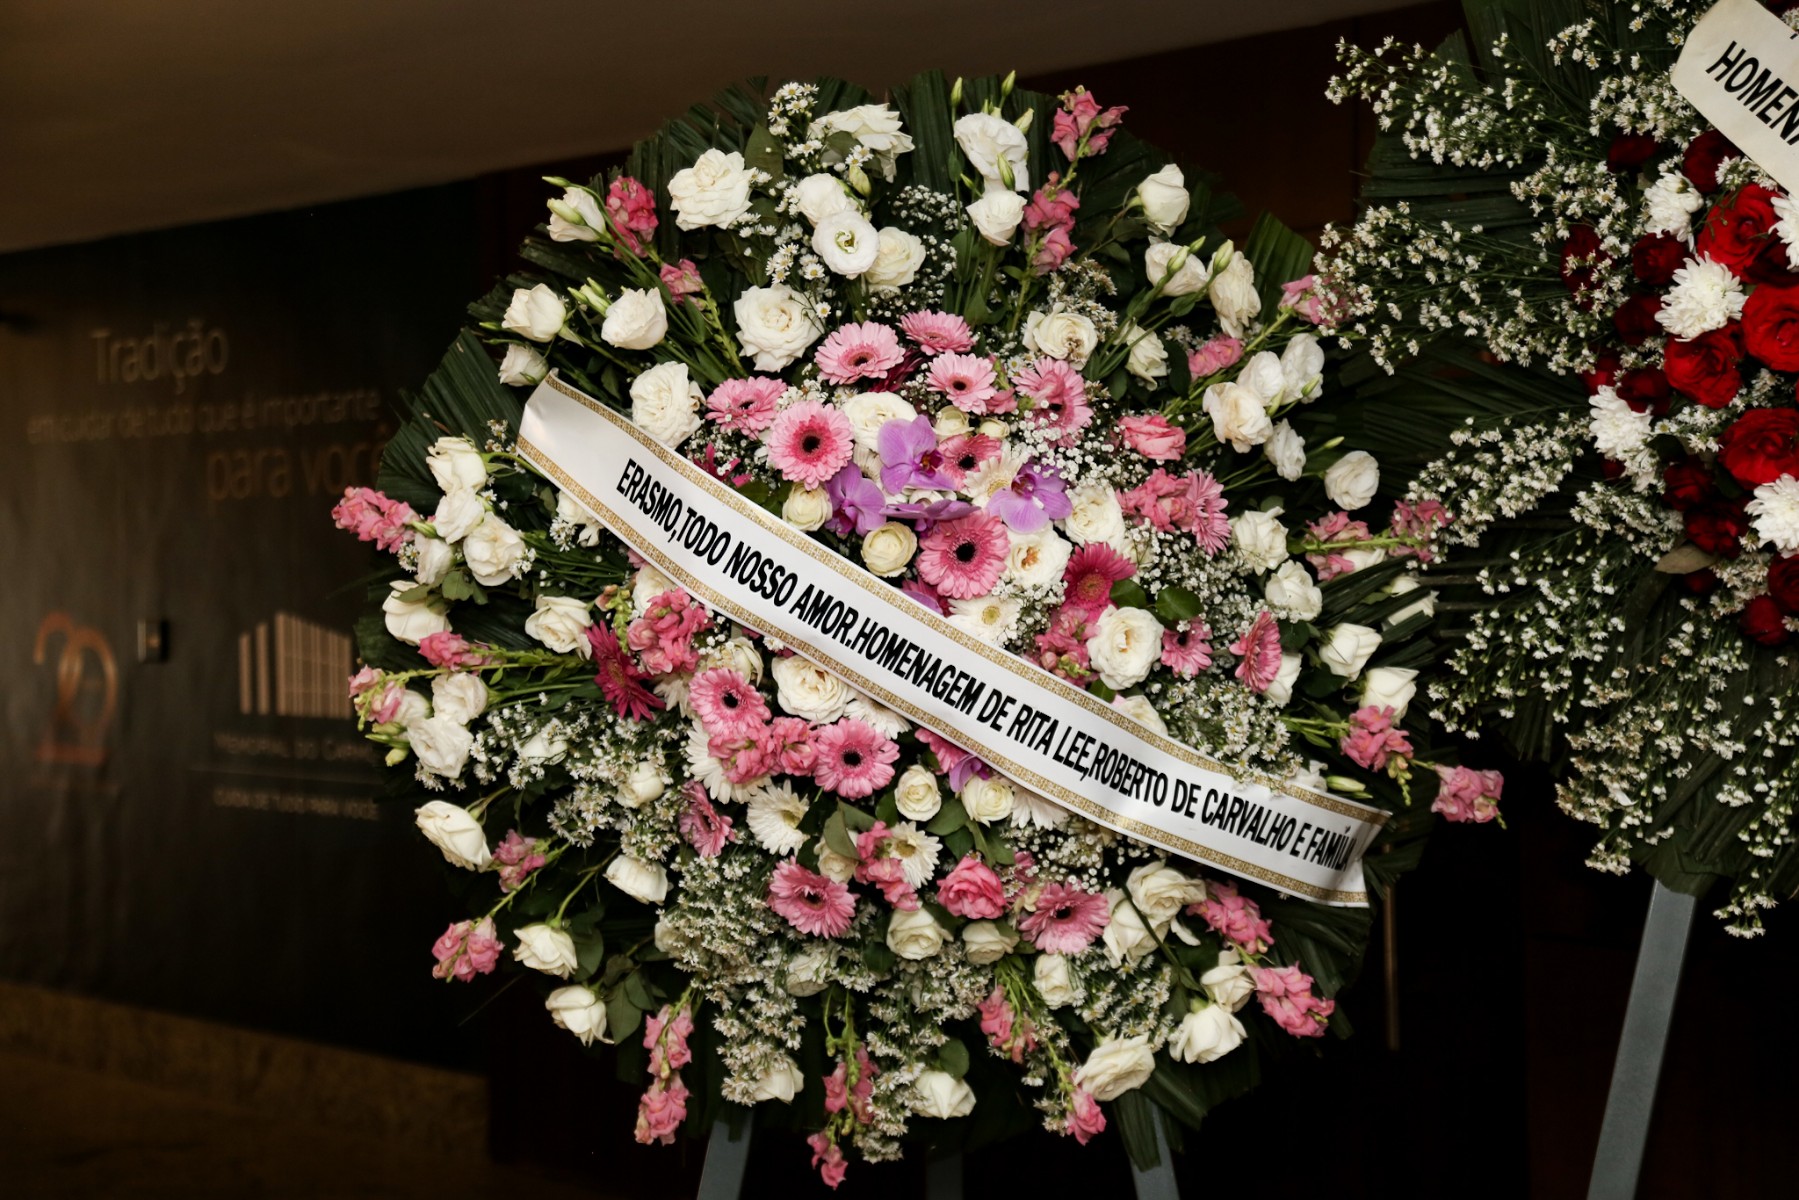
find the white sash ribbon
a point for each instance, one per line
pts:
(1740, 68)
(1037, 729)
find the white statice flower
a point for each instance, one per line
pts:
(1285, 450)
(996, 214)
(897, 260)
(1706, 295)
(637, 320)
(441, 745)
(775, 813)
(996, 149)
(1061, 333)
(714, 191)
(1352, 480)
(917, 852)
(1669, 205)
(1774, 514)
(847, 243)
(775, 324)
(1165, 200)
(1291, 593)
(1037, 559)
(536, 313)
(1238, 416)
(1619, 431)
(1260, 538)
(875, 126)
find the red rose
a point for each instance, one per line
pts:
(1655, 258)
(1718, 528)
(1604, 371)
(1703, 155)
(1689, 484)
(1645, 390)
(1761, 446)
(1581, 259)
(1771, 326)
(1736, 230)
(1635, 319)
(1783, 582)
(1705, 368)
(1630, 151)
(1701, 583)
(1762, 621)
(1771, 265)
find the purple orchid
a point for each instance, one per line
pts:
(924, 517)
(1036, 496)
(855, 502)
(910, 457)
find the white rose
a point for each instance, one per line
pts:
(992, 428)
(715, 190)
(454, 831)
(1116, 1067)
(665, 403)
(833, 865)
(988, 140)
(916, 793)
(914, 935)
(847, 243)
(1189, 270)
(1404, 586)
(522, 366)
(636, 321)
(493, 551)
(1148, 359)
(1096, 516)
(987, 942)
(775, 324)
(1292, 594)
(461, 510)
(546, 746)
(809, 971)
(1352, 480)
(940, 1094)
(809, 691)
(876, 126)
(1126, 935)
(1286, 450)
(1233, 295)
(988, 800)
(1206, 1036)
(1238, 416)
(1262, 375)
(579, 1011)
(1159, 891)
(996, 215)
(576, 217)
(561, 623)
(1347, 648)
(888, 550)
(818, 196)
(645, 782)
(548, 950)
(1165, 199)
(1060, 334)
(1053, 979)
(571, 510)
(435, 558)
(1389, 687)
(646, 585)
(1260, 538)
(460, 697)
(412, 709)
(668, 938)
(897, 262)
(739, 654)
(640, 880)
(537, 313)
(1281, 690)
(949, 422)
(1125, 646)
(868, 411)
(807, 508)
(411, 621)
(455, 462)
(1229, 984)
(1037, 559)
(782, 1082)
(1137, 707)
(1302, 362)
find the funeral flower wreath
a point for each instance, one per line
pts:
(991, 349)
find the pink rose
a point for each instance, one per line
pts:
(972, 890)
(1468, 795)
(1216, 355)
(1153, 437)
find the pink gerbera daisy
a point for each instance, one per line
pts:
(938, 332)
(745, 405)
(618, 677)
(812, 903)
(854, 758)
(865, 351)
(810, 442)
(968, 452)
(705, 828)
(1066, 919)
(967, 379)
(1260, 651)
(965, 557)
(1089, 576)
(1058, 395)
(1187, 651)
(728, 707)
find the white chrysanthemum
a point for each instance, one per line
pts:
(1028, 808)
(775, 813)
(1774, 512)
(917, 852)
(1669, 205)
(1705, 296)
(890, 723)
(711, 773)
(1787, 228)
(1618, 431)
(990, 618)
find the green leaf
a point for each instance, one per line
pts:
(1279, 256)
(589, 951)
(950, 817)
(622, 1017)
(1176, 604)
(763, 153)
(952, 1058)
(1128, 593)
(877, 957)
(637, 990)
(837, 836)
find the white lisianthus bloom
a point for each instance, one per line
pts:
(455, 463)
(1189, 272)
(1206, 1036)
(1347, 648)
(435, 558)
(914, 935)
(645, 782)
(636, 320)
(1281, 690)
(988, 800)
(986, 942)
(1037, 559)
(1619, 432)
(1061, 334)
(992, 619)
(413, 708)
(1706, 295)
(1238, 416)
(1165, 200)
(1389, 687)
(783, 1081)
(1096, 516)
(775, 324)
(940, 1094)
(412, 621)
(1260, 538)
(579, 1011)
(544, 948)
(818, 196)
(916, 793)
(458, 696)
(1148, 359)
(1426, 604)
(774, 816)
(989, 140)
(1232, 292)
(638, 879)
(522, 366)
(1138, 708)
(1125, 646)
(847, 243)
(494, 551)
(888, 548)
(1352, 480)
(561, 623)
(1302, 362)
(1262, 375)
(807, 508)
(809, 971)
(1116, 1067)
(1229, 983)
(714, 191)
(876, 126)
(996, 215)
(809, 691)
(1774, 514)
(536, 313)
(896, 262)
(1669, 205)
(454, 831)
(665, 403)
(1286, 450)
(1054, 979)
(576, 217)
(460, 511)
(1160, 891)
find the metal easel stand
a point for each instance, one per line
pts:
(1639, 1065)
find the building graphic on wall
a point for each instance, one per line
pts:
(292, 667)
